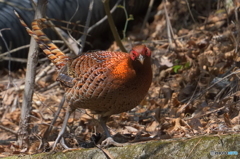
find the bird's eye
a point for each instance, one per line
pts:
(147, 52)
(133, 54)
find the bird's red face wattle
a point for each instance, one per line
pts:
(140, 53)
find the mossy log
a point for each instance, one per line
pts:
(196, 147)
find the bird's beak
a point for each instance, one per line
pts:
(141, 59)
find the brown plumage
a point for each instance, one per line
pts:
(105, 82)
(109, 82)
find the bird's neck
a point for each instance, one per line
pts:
(142, 69)
(143, 78)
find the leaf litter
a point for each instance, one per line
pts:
(195, 89)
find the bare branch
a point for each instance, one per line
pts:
(112, 25)
(147, 14)
(84, 36)
(24, 131)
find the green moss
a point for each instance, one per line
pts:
(197, 147)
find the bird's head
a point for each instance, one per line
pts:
(140, 53)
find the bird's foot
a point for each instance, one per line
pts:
(109, 141)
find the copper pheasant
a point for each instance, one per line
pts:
(105, 82)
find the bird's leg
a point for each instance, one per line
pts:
(109, 140)
(64, 125)
(103, 121)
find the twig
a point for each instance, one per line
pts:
(84, 36)
(238, 28)
(112, 25)
(193, 148)
(211, 86)
(66, 22)
(105, 152)
(64, 125)
(9, 62)
(169, 27)
(147, 14)
(101, 20)
(49, 86)
(15, 59)
(168, 23)
(47, 132)
(42, 73)
(190, 12)
(208, 112)
(76, 53)
(15, 6)
(8, 130)
(59, 33)
(14, 50)
(24, 47)
(128, 18)
(104, 18)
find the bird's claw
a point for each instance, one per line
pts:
(110, 142)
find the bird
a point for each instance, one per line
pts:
(105, 82)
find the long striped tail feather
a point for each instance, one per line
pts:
(57, 57)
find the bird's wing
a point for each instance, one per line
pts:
(98, 73)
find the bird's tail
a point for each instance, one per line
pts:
(57, 57)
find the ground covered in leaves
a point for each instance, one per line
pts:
(195, 89)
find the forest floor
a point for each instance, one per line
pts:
(194, 90)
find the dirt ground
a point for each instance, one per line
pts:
(195, 48)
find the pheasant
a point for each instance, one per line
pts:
(105, 82)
